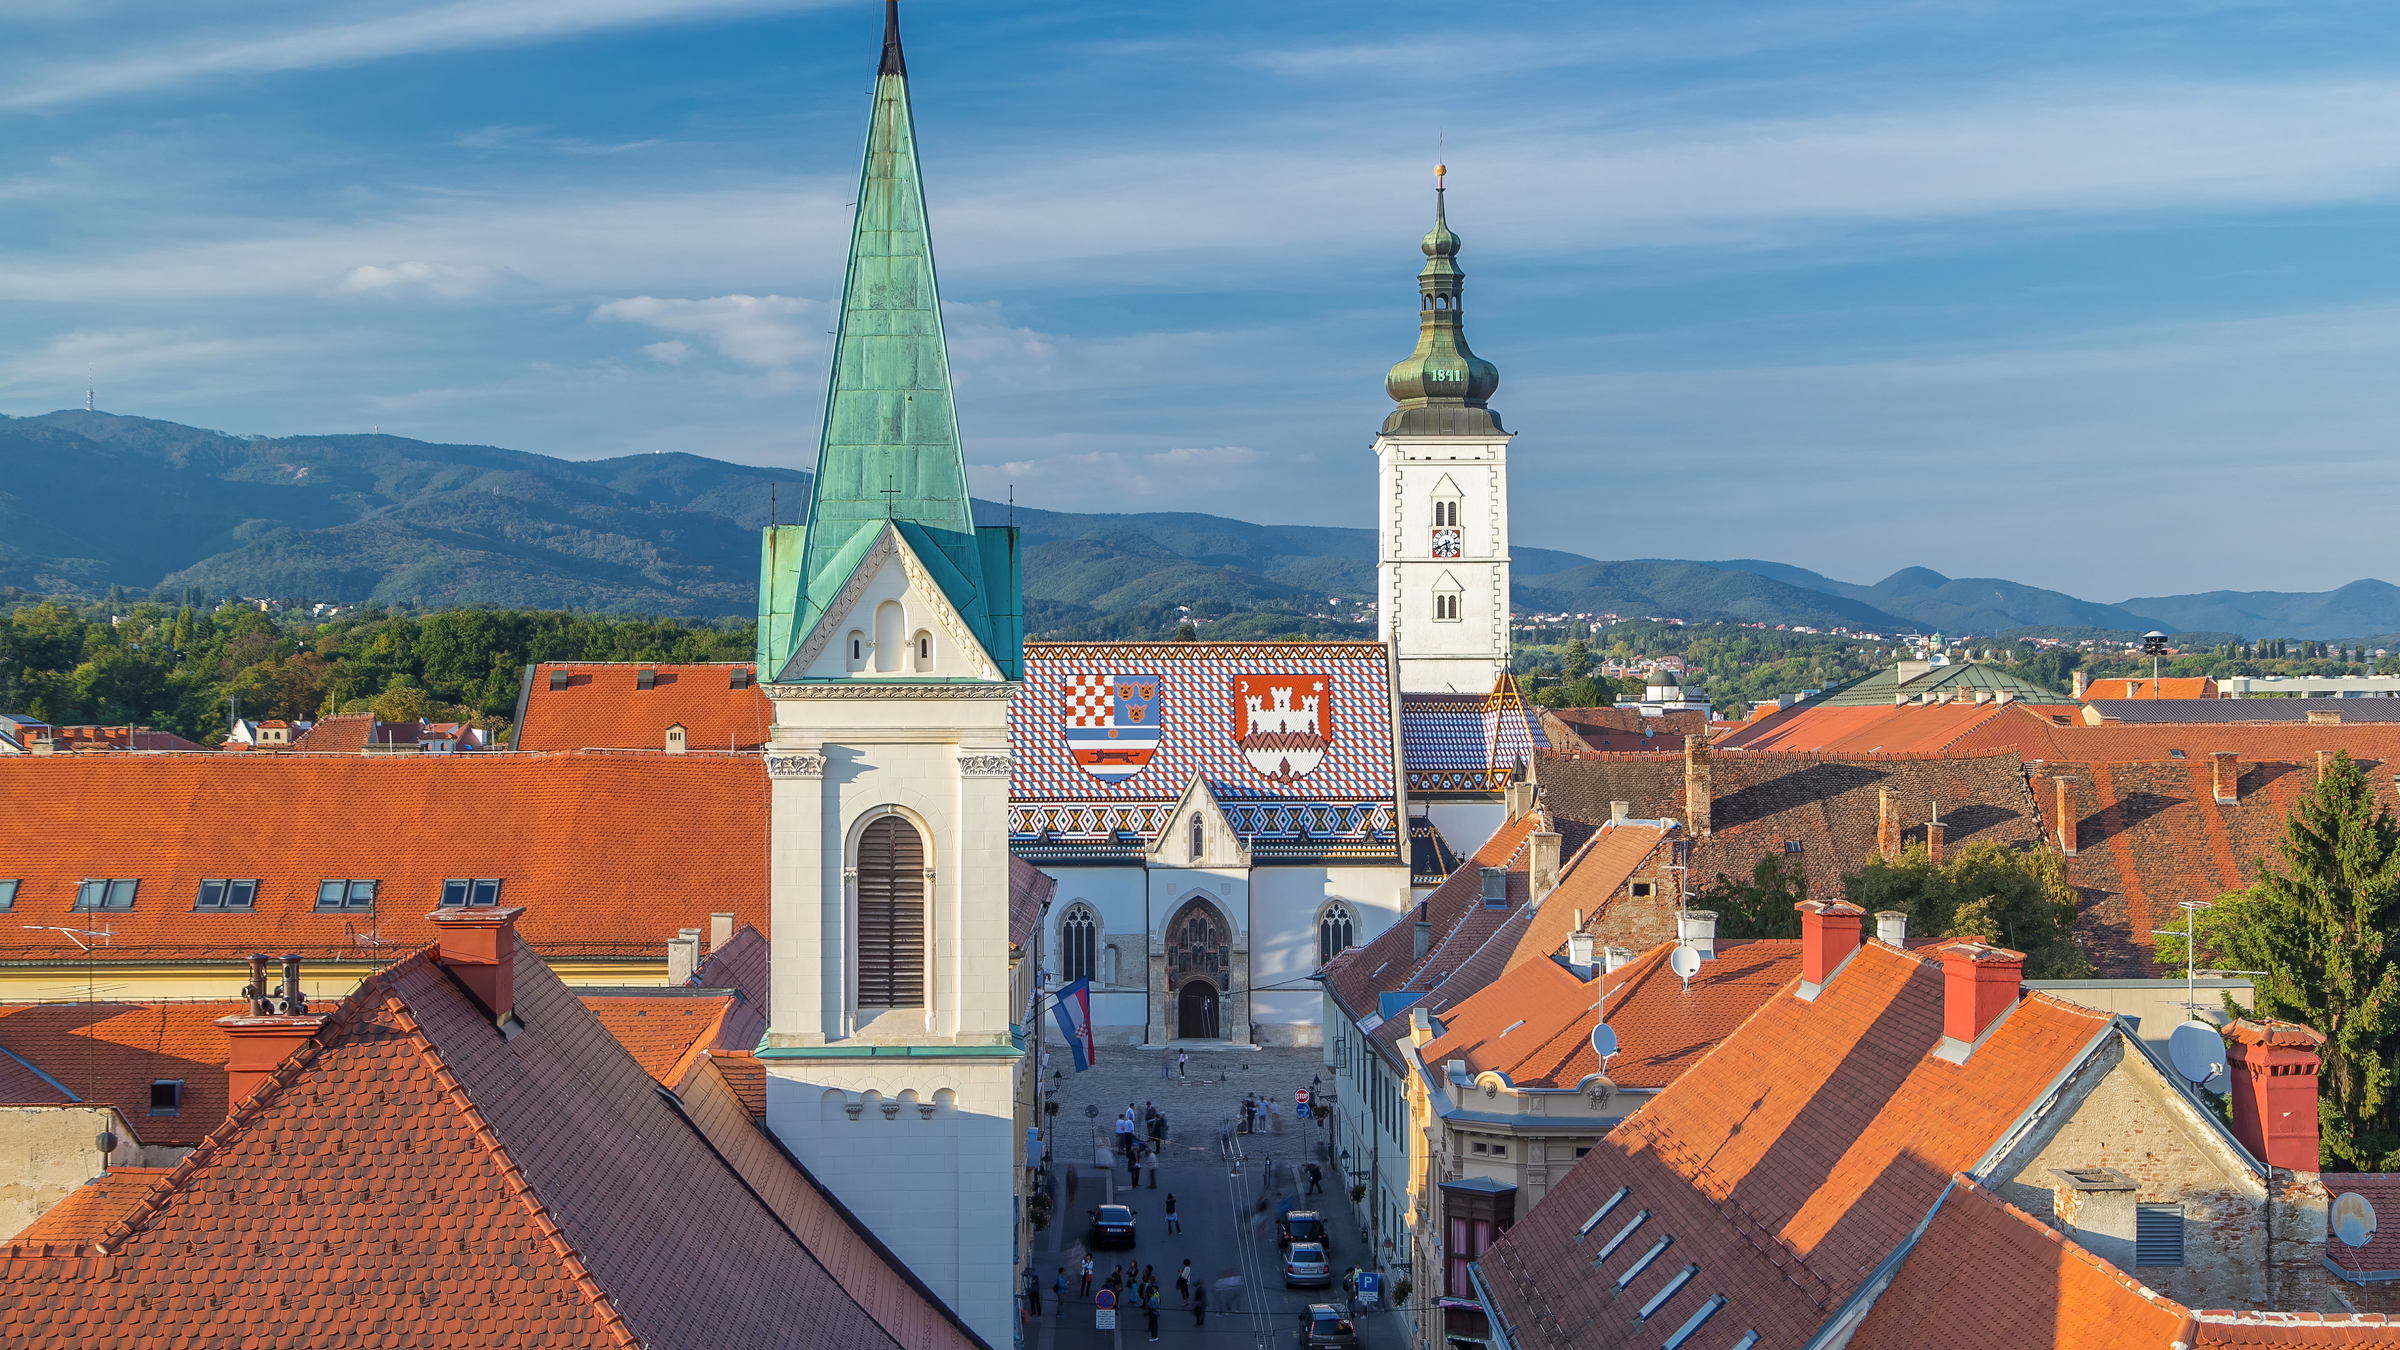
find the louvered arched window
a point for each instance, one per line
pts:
(891, 915)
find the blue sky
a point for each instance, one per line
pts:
(2093, 295)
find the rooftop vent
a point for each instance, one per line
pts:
(741, 678)
(645, 679)
(558, 678)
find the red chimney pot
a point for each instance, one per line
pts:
(1979, 982)
(1829, 932)
(2274, 1071)
(256, 1045)
(479, 946)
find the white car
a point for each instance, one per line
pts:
(1305, 1264)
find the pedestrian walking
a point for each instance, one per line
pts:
(1316, 1180)
(1033, 1292)
(1175, 1225)
(1060, 1289)
(1150, 1310)
(1182, 1058)
(1200, 1306)
(1133, 1164)
(1183, 1283)
(1086, 1290)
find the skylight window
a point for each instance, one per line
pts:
(8, 895)
(227, 895)
(113, 895)
(342, 896)
(1619, 1240)
(166, 1097)
(1696, 1321)
(1669, 1290)
(1495, 888)
(482, 893)
(1642, 1263)
(1602, 1212)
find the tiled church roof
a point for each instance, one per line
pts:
(604, 707)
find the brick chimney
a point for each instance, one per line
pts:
(720, 931)
(1518, 797)
(2066, 816)
(1829, 932)
(276, 1025)
(1979, 982)
(1887, 825)
(1935, 833)
(2274, 1071)
(1698, 789)
(479, 947)
(2225, 767)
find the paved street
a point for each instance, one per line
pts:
(1218, 1180)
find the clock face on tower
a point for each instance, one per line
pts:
(1445, 541)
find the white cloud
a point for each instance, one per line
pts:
(757, 330)
(447, 281)
(365, 35)
(668, 353)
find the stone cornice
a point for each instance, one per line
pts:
(870, 688)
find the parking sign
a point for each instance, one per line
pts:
(1104, 1310)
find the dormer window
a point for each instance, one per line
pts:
(1495, 888)
(480, 893)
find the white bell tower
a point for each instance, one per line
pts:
(1442, 495)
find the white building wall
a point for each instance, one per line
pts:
(1120, 896)
(1437, 654)
(1286, 1007)
(1467, 826)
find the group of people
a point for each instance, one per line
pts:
(1260, 1115)
(1134, 1288)
(1141, 1137)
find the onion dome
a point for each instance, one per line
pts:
(1443, 388)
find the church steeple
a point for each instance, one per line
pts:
(888, 453)
(1443, 388)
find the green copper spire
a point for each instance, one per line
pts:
(889, 450)
(1443, 388)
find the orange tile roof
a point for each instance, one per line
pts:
(119, 738)
(1986, 1275)
(93, 1207)
(113, 1052)
(349, 735)
(1460, 923)
(1663, 1026)
(603, 707)
(2036, 738)
(1590, 883)
(24, 1084)
(1818, 1137)
(612, 853)
(2166, 687)
(414, 1177)
(746, 1076)
(668, 1034)
(742, 963)
(1903, 729)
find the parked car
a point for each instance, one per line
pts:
(1305, 1264)
(1322, 1324)
(1301, 1225)
(1112, 1226)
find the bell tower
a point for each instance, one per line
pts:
(1442, 493)
(891, 639)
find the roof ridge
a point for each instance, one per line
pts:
(512, 1176)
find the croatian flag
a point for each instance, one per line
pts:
(1074, 1013)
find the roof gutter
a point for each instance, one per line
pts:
(1501, 1339)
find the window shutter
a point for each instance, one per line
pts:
(891, 915)
(2158, 1235)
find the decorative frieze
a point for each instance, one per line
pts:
(872, 688)
(984, 766)
(795, 766)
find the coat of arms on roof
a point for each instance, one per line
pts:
(1111, 723)
(1282, 723)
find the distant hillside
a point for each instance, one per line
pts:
(90, 500)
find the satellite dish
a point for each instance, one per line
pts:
(2197, 1051)
(1684, 962)
(1602, 1090)
(2353, 1219)
(1604, 1040)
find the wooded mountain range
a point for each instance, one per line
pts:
(90, 499)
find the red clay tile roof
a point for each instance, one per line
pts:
(93, 1207)
(742, 963)
(1460, 924)
(120, 738)
(669, 1034)
(1029, 892)
(415, 1177)
(23, 1084)
(2152, 835)
(2382, 1252)
(746, 1076)
(1592, 882)
(2166, 687)
(1988, 1276)
(350, 735)
(2036, 738)
(1663, 1026)
(612, 853)
(603, 707)
(113, 1052)
(1914, 728)
(1817, 1137)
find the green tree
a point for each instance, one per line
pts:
(2018, 900)
(1577, 659)
(1761, 907)
(400, 703)
(2320, 931)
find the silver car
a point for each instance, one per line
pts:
(1305, 1264)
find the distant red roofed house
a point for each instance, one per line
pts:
(613, 853)
(630, 706)
(1839, 729)
(560, 1164)
(90, 740)
(2165, 687)
(1771, 1189)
